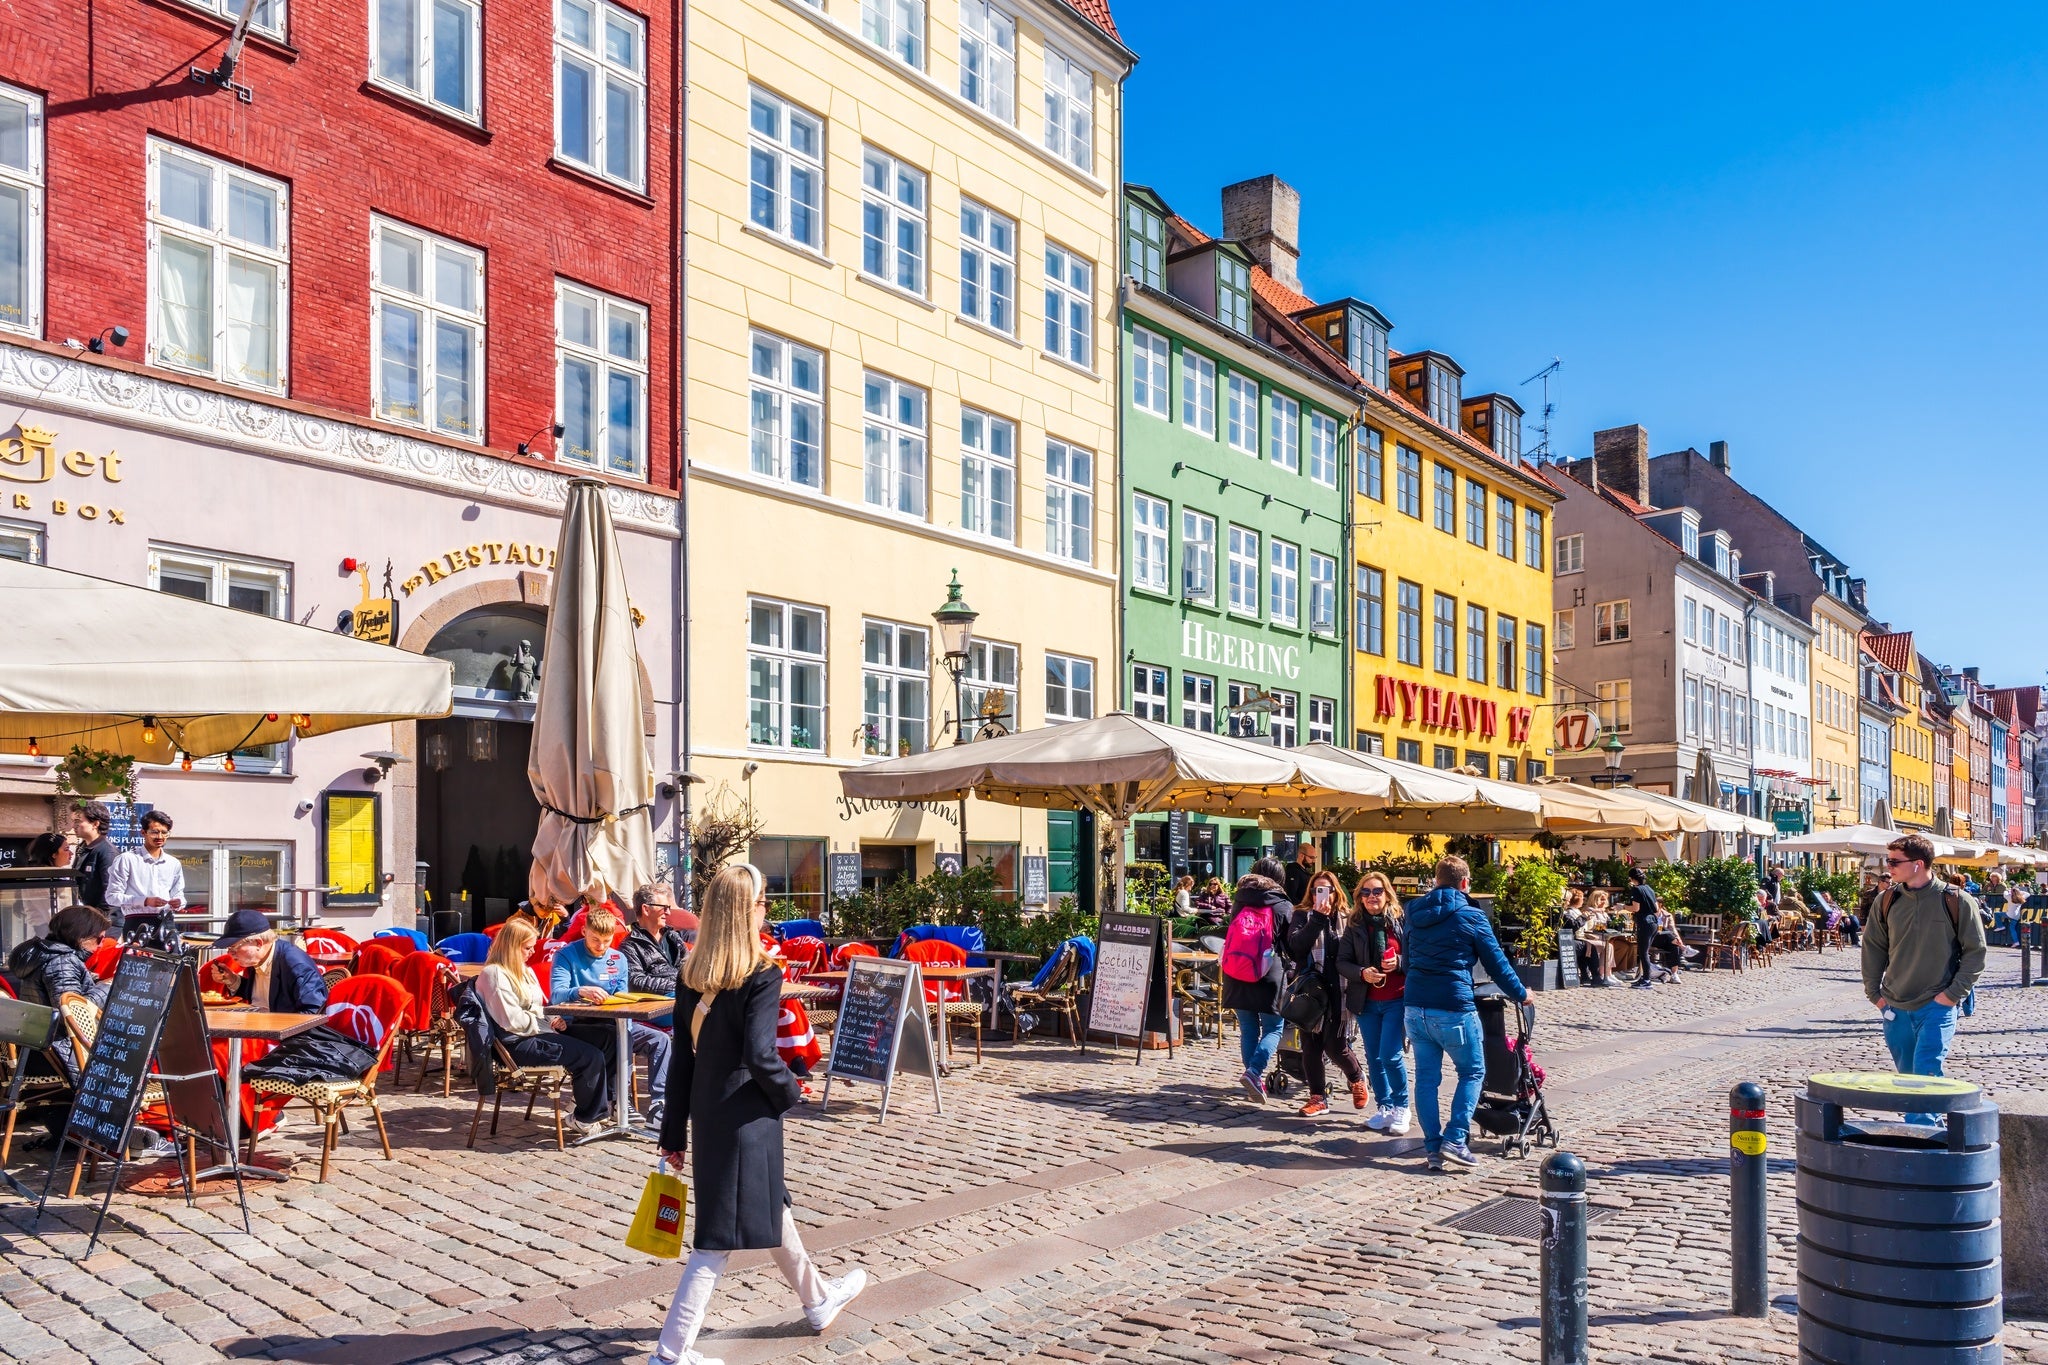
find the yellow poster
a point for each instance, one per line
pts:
(352, 864)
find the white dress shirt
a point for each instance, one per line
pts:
(136, 877)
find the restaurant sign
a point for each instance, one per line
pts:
(30, 456)
(1206, 646)
(1437, 708)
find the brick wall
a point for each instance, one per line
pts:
(115, 73)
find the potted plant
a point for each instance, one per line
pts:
(1532, 896)
(95, 772)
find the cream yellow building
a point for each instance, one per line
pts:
(1836, 625)
(901, 278)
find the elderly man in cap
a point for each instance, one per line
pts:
(275, 973)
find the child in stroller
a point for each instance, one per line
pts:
(1511, 1103)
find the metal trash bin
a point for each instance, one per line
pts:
(1898, 1226)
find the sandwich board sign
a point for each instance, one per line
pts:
(1128, 996)
(882, 1030)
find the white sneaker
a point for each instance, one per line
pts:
(838, 1294)
(1399, 1123)
(689, 1358)
(1381, 1118)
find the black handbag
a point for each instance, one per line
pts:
(1304, 1001)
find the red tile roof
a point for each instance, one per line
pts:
(1096, 12)
(1289, 301)
(1894, 651)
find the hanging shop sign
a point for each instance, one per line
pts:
(1437, 708)
(1576, 730)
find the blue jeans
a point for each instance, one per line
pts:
(1438, 1034)
(1919, 1041)
(1381, 1027)
(1258, 1038)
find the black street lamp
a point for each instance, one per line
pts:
(1610, 752)
(955, 620)
(1834, 800)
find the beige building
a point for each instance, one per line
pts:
(901, 276)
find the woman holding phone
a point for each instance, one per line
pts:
(1314, 931)
(1369, 959)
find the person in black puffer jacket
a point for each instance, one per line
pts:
(1314, 931)
(48, 968)
(1258, 1024)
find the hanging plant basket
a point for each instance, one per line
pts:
(95, 772)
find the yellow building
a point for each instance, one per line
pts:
(901, 279)
(1913, 799)
(1959, 806)
(1836, 625)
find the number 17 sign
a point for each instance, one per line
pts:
(1575, 731)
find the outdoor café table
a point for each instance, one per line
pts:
(469, 971)
(625, 1016)
(934, 974)
(1002, 991)
(234, 1023)
(1195, 962)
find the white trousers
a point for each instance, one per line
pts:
(700, 1277)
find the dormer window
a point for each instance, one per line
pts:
(1144, 245)
(1507, 432)
(1233, 293)
(1689, 538)
(1441, 398)
(1720, 552)
(1365, 348)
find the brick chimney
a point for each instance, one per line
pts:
(1265, 215)
(1717, 455)
(1621, 457)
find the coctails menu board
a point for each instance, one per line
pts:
(110, 1089)
(845, 875)
(1128, 994)
(882, 1030)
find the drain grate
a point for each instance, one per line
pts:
(1513, 1217)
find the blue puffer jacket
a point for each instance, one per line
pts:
(1446, 935)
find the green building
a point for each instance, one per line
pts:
(1236, 428)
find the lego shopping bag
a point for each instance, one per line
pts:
(658, 1222)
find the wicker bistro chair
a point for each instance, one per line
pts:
(334, 976)
(21, 1088)
(495, 1072)
(82, 1022)
(1059, 996)
(946, 1001)
(430, 1024)
(329, 1100)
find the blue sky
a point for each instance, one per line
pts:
(1815, 232)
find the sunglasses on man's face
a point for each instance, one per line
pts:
(1900, 862)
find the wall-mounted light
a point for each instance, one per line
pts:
(117, 335)
(555, 428)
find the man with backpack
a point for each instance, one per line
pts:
(1446, 935)
(1923, 951)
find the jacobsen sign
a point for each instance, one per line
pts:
(1436, 708)
(1203, 645)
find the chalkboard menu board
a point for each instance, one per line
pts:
(110, 1090)
(1037, 884)
(844, 874)
(1128, 994)
(952, 864)
(124, 830)
(882, 1029)
(1567, 957)
(1177, 851)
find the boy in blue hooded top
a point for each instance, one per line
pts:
(1446, 935)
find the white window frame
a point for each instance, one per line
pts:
(610, 76)
(899, 249)
(791, 156)
(1198, 702)
(1690, 615)
(1151, 364)
(1571, 554)
(22, 540)
(223, 250)
(1282, 727)
(1069, 501)
(1564, 628)
(1322, 594)
(1283, 432)
(1069, 306)
(221, 573)
(1322, 448)
(784, 659)
(991, 666)
(988, 60)
(1149, 685)
(988, 267)
(1244, 571)
(417, 84)
(897, 686)
(897, 27)
(432, 314)
(212, 893)
(1614, 702)
(896, 432)
(1243, 430)
(1151, 570)
(1611, 622)
(1198, 556)
(776, 399)
(1069, 109)
(612, 369)
(1322, 720)
(1198, 393)
(268, 17)
(1283, 582)
(1069, 688)
(27, 180)
(988, 475)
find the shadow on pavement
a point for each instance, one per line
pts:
(1687, 1167)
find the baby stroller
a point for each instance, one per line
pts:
(1288, 1069)
(1511, 1103)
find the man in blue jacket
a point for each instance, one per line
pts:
(1446, 935)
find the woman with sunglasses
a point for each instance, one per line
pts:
(1369, 960)
(1314, 930)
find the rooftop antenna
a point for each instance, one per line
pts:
(1542, 448)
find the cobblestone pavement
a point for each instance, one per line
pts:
(1065, 1208)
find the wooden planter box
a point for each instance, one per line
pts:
(1539, 976)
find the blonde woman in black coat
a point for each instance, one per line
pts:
(728, 1090)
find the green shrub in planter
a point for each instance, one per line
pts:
(1669, 881)
(1722, 886)
(1531, 895)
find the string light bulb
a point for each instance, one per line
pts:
(300, 720)
(35, 750)
(185, 762)
(149, 729)
(228, 763)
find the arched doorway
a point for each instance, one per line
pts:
(476, 811)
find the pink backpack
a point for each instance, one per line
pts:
(1248, 944)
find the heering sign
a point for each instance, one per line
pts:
(1204, 645)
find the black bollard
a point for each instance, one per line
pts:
(1749, 1240)
(1563, 1265)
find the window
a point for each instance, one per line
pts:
(1070, 502)
(1149, 354)
(894, 434)
(988, 267)
(1571, 554)
(785, 675)
(989, 683)
(1408, 622)
(988, 59)
(430, 50)
(1445, 757)
(896, 671)
(1069, 307)
(601, 89)
(1504, 646)
(1564, 625)
(794, 871)
(1322, 720)
(1507, 768)
(1283, 583)
(1611, 702)
(1198, 703)
(427, 321)
(1475, 513)
(21, 211)
(895, 26)
(1322, 449)
(1706, 628)
(786, 148)
(1537, 768)
(219, 268)
(1691, 615)
(788, 417)
(1322, 594)
(1144, 245)
(1408, 750)
(1408, 481)
(1446, 500)
(1244, 571)
(1284, 432)
(601, 381)
(266, 17)
(1475, 644)
(1282, 727)
(1533, 660)
(1244, 414)
(1069, 689)
(221, 878)
(1233, 293)
(1069, 110)
(892, 221)
(1371, 742)
(1148, 693)
(1445, 635)
(21, 540)
(988, 475)
(1726, 647)
(1198, 393)
(1372, 610)
(1197, 556)
(1370, 478)
(1477, 760)
(1532, 537)
(1149, 567)
(225, 581)
(1504, 526)
(1692, 706)
(1610, 622)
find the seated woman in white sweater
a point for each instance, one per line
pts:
(513, 998)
